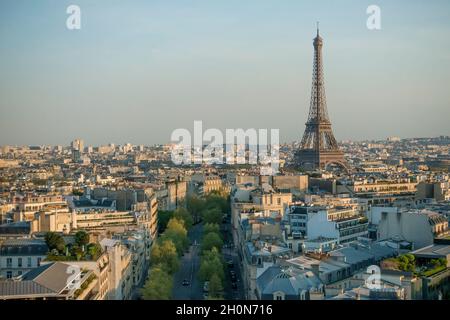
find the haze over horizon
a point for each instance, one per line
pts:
(138, 70)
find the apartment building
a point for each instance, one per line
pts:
(120, 278)
(101, 268)
(171, 195)
(24, 207)
(53, 281)
(338, 266)
(341, 223)
(378, 191)
(18, 256)
(137, 243)
(439, 190)
(418, 226)
(288, 283)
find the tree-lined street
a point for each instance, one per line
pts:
(189, 267)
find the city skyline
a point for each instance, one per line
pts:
(225, 156)
(131, 74)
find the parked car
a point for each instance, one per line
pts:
(185, 282)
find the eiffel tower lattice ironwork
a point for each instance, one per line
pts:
(318, 147)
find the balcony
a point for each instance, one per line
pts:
(88, 282)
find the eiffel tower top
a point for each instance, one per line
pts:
(318, 39)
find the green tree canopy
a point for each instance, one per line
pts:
(218, 200)
(94, 250)
(185, 216)
(176, 232)
(215, 286)
(212, 240)
(213, 215)
(165, 254)
(211, 227)
(55, 241)
(211, 263)
(195, 206)
(82, 238)
(163, 219)
(158, 286)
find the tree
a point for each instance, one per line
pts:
(218, 200)
(213, 215)
(81, 238)
(165, 255)
(176, 232)
(211, 263)
(195, 206)
(163, 219)
(94, 250)
(55, 241)
(76, 251)
(185, 216)
(212, 240)
(410, 257)
(215, 286)
(158, 286)
(211, 227)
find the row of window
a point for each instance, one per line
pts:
(298, 224)
(21, 264)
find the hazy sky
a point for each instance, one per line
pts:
(137, 70)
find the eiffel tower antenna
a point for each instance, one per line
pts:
(318, 147)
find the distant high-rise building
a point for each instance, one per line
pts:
(393, 139)
(318, 147)
(78, 144)
(76, 155)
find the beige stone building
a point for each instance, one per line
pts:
(121, 269)
(26, 206)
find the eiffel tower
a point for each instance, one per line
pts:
(318, 147)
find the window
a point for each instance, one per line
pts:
(29, 262)
(19, 273)
(19, 262)
(8, 274)
(39, 261)
(278, 295)
(9, 262)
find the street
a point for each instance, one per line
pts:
(189, 266)
(230, 254)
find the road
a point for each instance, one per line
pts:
(189, 266)
(231, 254)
